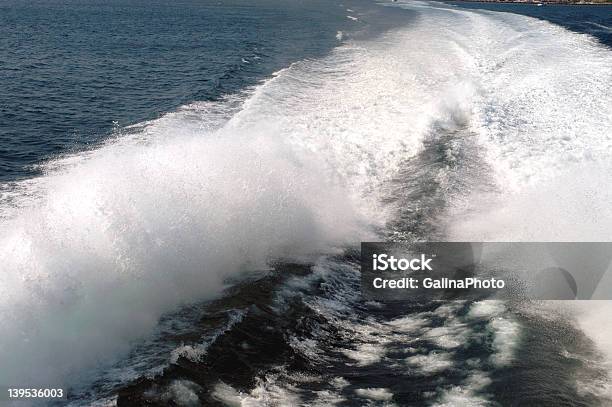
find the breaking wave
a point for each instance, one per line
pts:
(306, 163)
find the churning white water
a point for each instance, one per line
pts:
(96, 250)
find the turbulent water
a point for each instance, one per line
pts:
(209, 256)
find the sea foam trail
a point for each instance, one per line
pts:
(134, 230)
(540, 105)
(95, 251)
(544, 120)
(115, 237)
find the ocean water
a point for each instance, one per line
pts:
(75, 72)
(184, 187)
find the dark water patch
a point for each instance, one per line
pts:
(447, 166)
(255, 344)
(553, 363)
(262, 345)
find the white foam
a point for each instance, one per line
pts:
(505, 331)
(378, 393)
(339, 382)
(366, 353)
(506, 336)
(145, 228)
(544, 125)
(467, 394)
(433, 362)
(227, 395)
(410, 323)
(327, 398)
(486, 309)
(182, 393)
(265, 393)
(570, 207)
(161, 217)
(541, 110)
(96, 250)
(448, 309)
(449, 336)
(106, 402)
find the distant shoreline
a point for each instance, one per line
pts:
(543, 2)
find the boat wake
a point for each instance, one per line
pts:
(459, 125)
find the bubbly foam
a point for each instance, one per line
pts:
(110, 239)
(376, 393)
(96, 250)
(544, 122)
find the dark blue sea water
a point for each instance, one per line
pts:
(71, 71)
